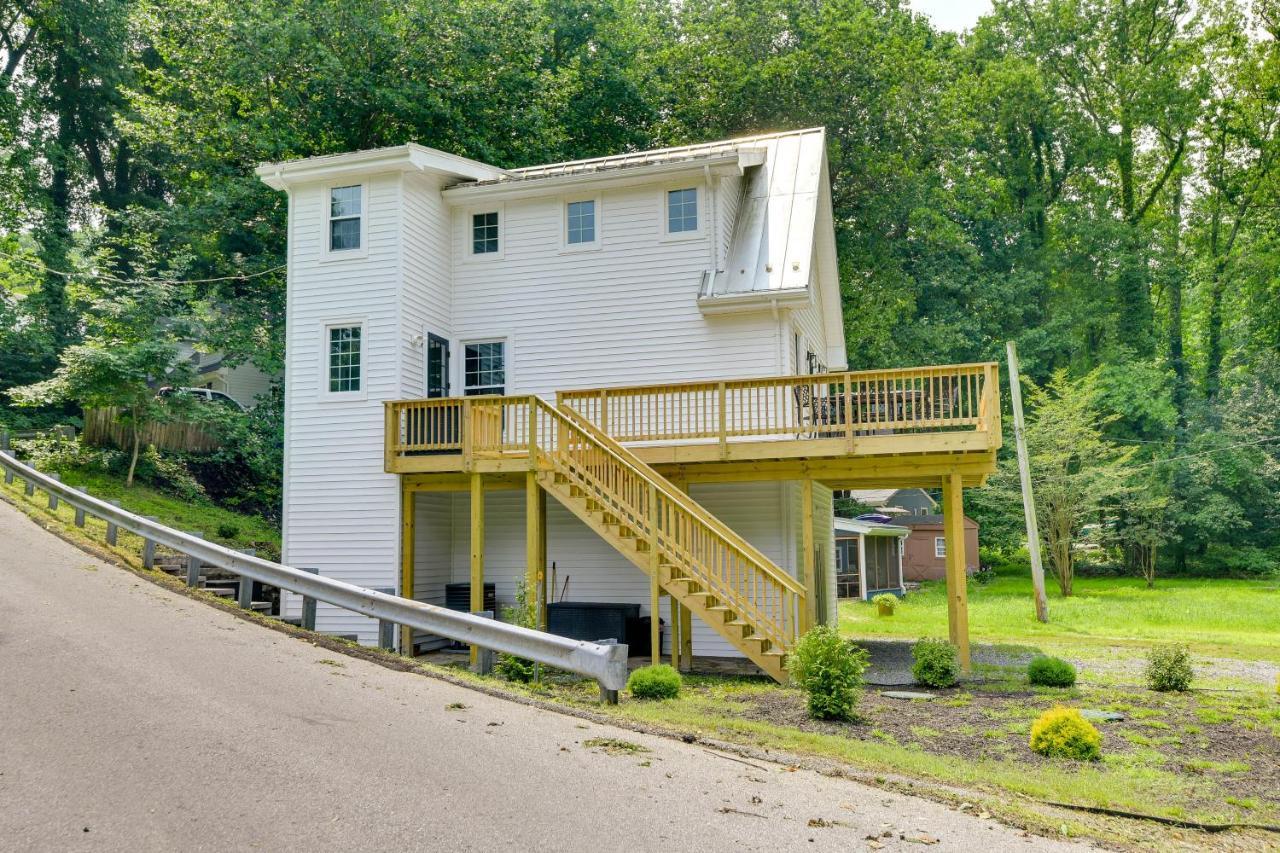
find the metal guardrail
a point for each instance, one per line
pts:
(607, 664)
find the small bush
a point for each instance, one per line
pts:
(228, 531)
(524, 614)
(658, 681)
(935, 663)
(1063, 733)
(886, 603)
(829, 669)
(1169, 668)
(1051, 672)
(513, 668)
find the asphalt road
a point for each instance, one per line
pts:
(135, 719)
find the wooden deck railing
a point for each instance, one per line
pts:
(828, 405)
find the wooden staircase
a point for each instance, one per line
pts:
(699, 561)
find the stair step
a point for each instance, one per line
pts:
(774, 653)
(757, 638)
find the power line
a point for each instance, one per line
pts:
(1262, 440)
(116, 280)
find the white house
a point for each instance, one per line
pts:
(464, 340)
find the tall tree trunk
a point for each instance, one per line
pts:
(133, 459)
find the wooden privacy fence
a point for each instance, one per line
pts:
(103, 428)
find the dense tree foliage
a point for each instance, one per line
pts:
(1095, 179)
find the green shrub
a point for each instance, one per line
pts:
(1169, 668)
(886, 603)
(935, 663)
(228, 531)
(1051, 672)
(524, 614)
(1063, 733)
(658, 681)
(829, 669)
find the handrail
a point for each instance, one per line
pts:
(670, 493)
(824, 405)
(607, 664)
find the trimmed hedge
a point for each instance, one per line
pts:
(657, 681)
(1064, 733)
(1051, 672)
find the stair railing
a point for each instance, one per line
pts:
(693, 540)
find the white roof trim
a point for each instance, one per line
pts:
(869, 528)
(400, 158)
(733, 163)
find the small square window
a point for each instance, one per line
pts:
(344, 359)
(682, 211)
(939, 547)
(484, 233)
(581, 221)
(345, 208)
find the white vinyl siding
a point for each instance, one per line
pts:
(341, 510)
(345, 218)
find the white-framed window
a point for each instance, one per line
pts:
(484, 367)
(682, 210)
(346, 231)
(581, 230)
(939, 547)
(485, 236)
(343, 362)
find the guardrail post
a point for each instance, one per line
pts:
(53, 496)
(30, 488)
(386, 628)
(244, 593)
(607, 695)
(484, 657)
(193, 563)
(8, 475)
(4, 440)
(113, 531)
(309, 607)
(149, 548)
(79, 517)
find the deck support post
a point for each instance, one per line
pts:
(477, 554)
(535, 544)
(655, 588)
(809, 557)
(408, 521)
(957, 592)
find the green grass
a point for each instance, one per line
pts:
(1218, 617)
(199, 515)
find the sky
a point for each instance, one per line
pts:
(954, 15)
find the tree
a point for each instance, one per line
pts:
(1075, 470)
(114, 373)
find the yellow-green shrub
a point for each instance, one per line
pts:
(1063, 733)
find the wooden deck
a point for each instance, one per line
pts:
(899, 428)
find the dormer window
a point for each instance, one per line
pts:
(484, 233)
(682, 210)
(345, 209)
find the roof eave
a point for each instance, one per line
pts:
(514, 186)
(754, 300)
(401, 158)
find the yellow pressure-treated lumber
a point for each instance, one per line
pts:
(477, 551)
(809, 557)
(407, 522)
(535, 541)
(957, 588)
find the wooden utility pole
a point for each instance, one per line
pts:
(1024, 473)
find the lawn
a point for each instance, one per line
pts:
(1217, 617)
(216, 523)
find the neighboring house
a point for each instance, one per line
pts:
(243, 383)
(925, 558)
(636, 337)
(868, 558)
(893, 501)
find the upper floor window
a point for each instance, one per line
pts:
(345, 209)
(682, 210)
(484, 233)
(484, 368)
(344, 358)
(580, 220)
